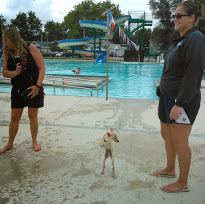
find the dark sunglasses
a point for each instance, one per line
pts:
(178, 16)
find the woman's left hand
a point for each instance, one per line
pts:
(34, 91)
(175, 112)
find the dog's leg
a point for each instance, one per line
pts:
(106, 156)
(113, 169)
(103, 167)
(112, 158)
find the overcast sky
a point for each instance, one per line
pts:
(55, 10)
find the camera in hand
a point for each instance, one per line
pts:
(23, 65)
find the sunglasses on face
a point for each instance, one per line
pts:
(178, 16)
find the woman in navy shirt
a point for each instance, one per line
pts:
(180, 93)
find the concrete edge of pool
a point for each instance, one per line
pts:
(67, 169)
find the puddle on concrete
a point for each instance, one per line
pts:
(137, 184)
(82, 171)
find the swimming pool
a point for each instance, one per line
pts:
(130, 80)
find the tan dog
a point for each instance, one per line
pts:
(106, 144)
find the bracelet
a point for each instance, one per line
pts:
(37, 86)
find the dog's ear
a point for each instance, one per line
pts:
(108, 134)
(111, 130)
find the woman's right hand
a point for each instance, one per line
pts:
(175, 112)
(18, 69)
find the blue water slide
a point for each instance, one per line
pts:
(66, 43)
(99, 24)
(101, 58)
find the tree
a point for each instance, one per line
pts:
(35, 27)
(201, 25)
(137, 37)
(164, 33)
(54, 31)
(87, 10)
(28, 25)
(2, 27)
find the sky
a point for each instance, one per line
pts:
(56, 10)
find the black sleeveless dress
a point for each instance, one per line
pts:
(20, 83)
(27, 77)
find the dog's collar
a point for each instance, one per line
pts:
(104, 140)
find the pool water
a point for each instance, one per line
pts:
(130, 80)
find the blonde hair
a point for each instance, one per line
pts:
(17, 42)
(195, 8)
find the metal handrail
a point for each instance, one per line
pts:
(67, 86)
(72, 78)
(71, 82)
(54, 80)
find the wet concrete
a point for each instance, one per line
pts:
(68, 168)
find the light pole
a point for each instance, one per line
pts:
(47, 38)
(1, 51)
(107, 56)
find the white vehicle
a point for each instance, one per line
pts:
(59, 54)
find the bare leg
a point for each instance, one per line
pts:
(170, 150)
(112, 158)
(107, 153)
(16, 114)
(113, 168)
(103, 166)
(33, 116)
(180, 135)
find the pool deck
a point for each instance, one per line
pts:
(68, 168)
